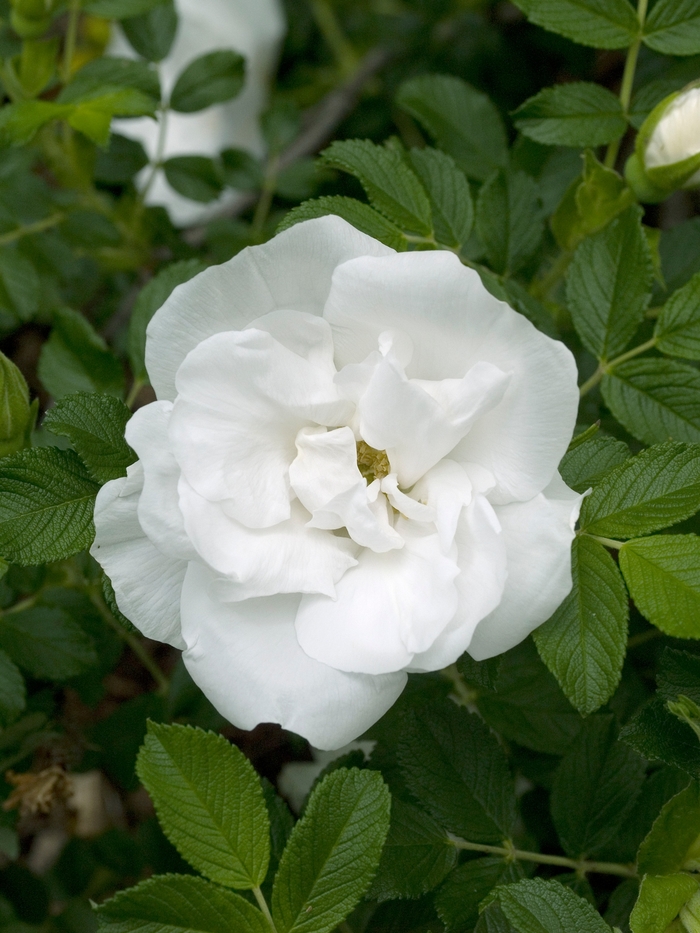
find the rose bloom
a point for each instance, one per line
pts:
(350, 473)
(254, 28)
(676, 136)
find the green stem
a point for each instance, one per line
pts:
(262, 208)
(71, 37)
(628, 80)
(158, 156)
(330, 29)
(580, 866)
(27, 229)
(643, 637)
(262, 904)
(608, 542)
(542, 287)
(606, 368)
(461, 692)
(136, 387)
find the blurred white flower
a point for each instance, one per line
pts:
(350, 473)
(255, 29)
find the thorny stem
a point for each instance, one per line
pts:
(628, 80)
(27, 229)
(262, 904)
(605, 368)
(71, 36)
(580, 866)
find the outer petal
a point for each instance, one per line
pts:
(389, 607)
(246, 659)
(293, 270)
(147, 583)
(158, 508)
(454, 323)
(243, 397)
(288, 558)
(538, 536)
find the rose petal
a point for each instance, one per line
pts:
(293, 270)
(147, 583)
(538, 536)
(246, 659)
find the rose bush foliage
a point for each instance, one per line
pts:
(352, 459)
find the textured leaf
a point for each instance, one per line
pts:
(595, 787)
(671, 844)
(660, 736)
(47, 642)
(463, 121)
(537, 906)
(391, 186)
(454, 766)
(449, 194)
(679, 672)
(76, 359)
(108, 73)
(199, 779)
(609, 285)
(655, 489)
(13, 696)
(576, 114)
(663, 577)
(587, 464)
(508, 220)
(585, 641)
(46, 505)
(178, 904)
(678, 326)
(673, 27)
(151, 297)
(416, 857)
(660, 899)
(604, 24)
(152, 33)
(95, 426)
(360, 215)
(457, 902)
(212, 79)
(333, 852)
(656, 400)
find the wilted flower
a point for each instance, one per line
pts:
(254, 28)
(350, 473)
(667, 150)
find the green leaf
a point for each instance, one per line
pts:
(453, 764)
(194, 177)
(360, 215)
(672, 842)
(416, 857)
(577, 114)
(120, 9)
(659, 901)
(586, 465)
(449, 194)
(482, 674)
(95, 426)
(673, 27)
(178, 904)
(457, 902)
(152, 34)
(333, 852)
(678, 672)
(528, 705)
(537, 906)
(663, 577)
(463, 121)
(508, 219)
(595, 787)
(241, 170)
(13, 695)
(585, 641)
(656, 400)
(199, 779)
(609, 285)
(680, 253)
(47, 642)
(678, 326)
(391, 186)
(211, 79)
(122, 159)
(655, 489)
(603, 24)
(93, 116)
(518, 297)
(76, 359)
(660, 736)
(21, 283)
(46, 505)
(107, 74)
(151, 297)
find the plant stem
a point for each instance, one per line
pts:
(606, 368)
(136, 387)
(643, 637)
(330, 29)
(581, 866)
(262, 208)
(262, 904)
(628, 81)
(608, 542)
(541, 288)
(461, 692)
(27, 229)
(71, 36)
(158, 155)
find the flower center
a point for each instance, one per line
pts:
(373, 464)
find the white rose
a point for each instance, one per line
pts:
(350, 473)
(254, 28)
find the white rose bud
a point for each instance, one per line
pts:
(350, 473)
(254, 29)
(667, 150)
